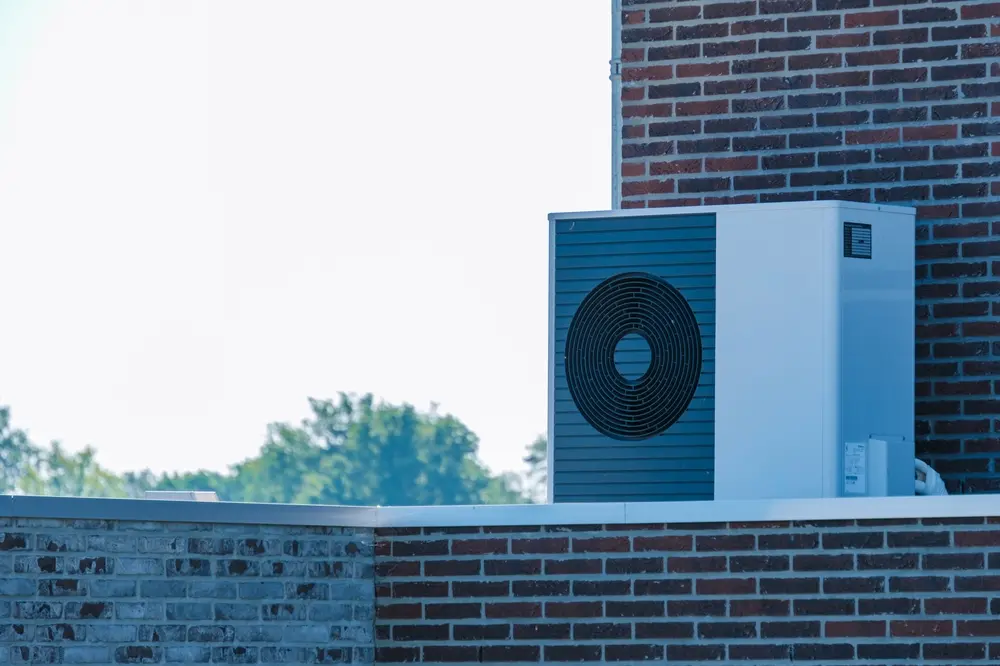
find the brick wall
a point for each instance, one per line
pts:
(115, 591)
(826, 592)
(866, 100)
(108, 592)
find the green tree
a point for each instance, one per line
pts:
(538, 468)
(350, 451)
(74, 475)
(19, 458)
(356, 451)
(26, 468)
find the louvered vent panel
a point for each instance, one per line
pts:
(634, 358)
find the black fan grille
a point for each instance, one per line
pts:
(648, 306)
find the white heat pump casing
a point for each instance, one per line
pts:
(814, 349)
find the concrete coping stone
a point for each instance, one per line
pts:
(609, 513)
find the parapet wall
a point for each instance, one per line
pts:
(871, 591)
(104, 591)
(827, 581)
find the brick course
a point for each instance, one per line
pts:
(864, 100)
(824, 591)
(103, 592)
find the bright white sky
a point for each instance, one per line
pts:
(210, 210)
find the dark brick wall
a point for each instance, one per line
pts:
(866, 100)
(824, 592)
(105, 592)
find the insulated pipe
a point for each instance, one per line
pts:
(928, 481)
(616, 103)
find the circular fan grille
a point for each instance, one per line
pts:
(643, 304)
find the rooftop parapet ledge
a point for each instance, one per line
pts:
(611, 513)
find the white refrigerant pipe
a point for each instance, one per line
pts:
(929, 482)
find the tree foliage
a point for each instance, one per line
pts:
(18, 456)
(348, 451)
(538, 468)
(33, 470)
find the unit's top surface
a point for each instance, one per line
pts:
(694, 210)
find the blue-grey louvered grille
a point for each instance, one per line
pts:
(633, 303)
(589, 465)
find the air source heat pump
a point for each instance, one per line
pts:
(731, 352)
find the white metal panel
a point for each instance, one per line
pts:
(878, 338)
(774, 358)
(550, 464)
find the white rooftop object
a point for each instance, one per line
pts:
(746, 352)
(182, 495)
